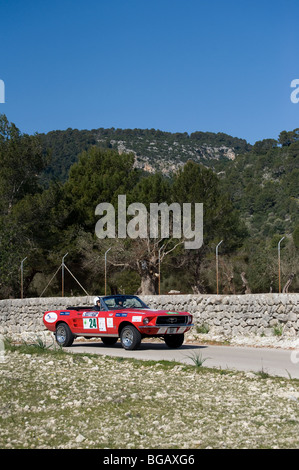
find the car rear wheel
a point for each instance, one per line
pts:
(64, 336)
(174, 341)
(130, 337)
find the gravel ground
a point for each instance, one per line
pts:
(61, 400)
(283, 341)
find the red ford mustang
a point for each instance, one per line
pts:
(118, 316)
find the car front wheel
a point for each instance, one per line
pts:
(130, 337)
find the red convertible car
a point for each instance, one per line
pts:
(118, 316)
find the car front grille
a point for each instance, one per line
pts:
(172, 320)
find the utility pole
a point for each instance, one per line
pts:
(62, 275)
(106, 270)
(217, 265)
(279, 282)
(22, 276)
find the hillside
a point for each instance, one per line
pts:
(264, 187)
(153, 150)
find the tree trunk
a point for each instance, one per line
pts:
(148, 285)
(28, 280)
(113, 289)
(245, 284)
(149, 276)
(285, 289)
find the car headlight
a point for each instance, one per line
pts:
(146, 320)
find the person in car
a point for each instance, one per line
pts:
(97, 303)
(120, 303)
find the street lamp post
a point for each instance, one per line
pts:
(22, 276)
(62, 275)
(279, 286)
(217, 265)
(106, 269)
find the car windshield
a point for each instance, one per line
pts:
(123, 301)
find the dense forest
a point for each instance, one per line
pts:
(50, 185)
(154, 150)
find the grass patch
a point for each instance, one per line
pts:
(202, 329)
(278, 329)
(38, 346)
(197, 359)
(262, 374)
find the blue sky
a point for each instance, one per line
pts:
(178, 66)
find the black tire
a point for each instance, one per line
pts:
(109, 341)
(174, 341)
(63, 335)
(130, 337)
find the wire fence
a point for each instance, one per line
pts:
(63, 265)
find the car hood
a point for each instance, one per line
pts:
(150, 311)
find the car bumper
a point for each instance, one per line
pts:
(159, 330)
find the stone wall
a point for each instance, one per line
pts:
(254, 314)
(18, 316)
(232, 315)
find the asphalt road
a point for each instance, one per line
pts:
(280, 362)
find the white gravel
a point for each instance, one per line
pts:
(62, 400)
